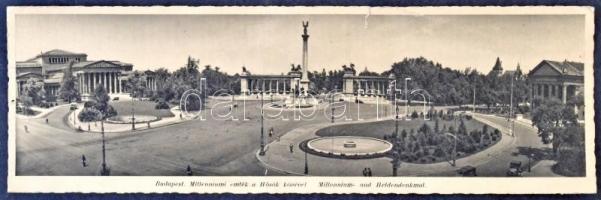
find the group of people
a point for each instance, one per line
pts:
(367, 171)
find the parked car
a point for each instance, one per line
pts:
(73, 106)
(116, 99)
(515, 168)
(467, 171)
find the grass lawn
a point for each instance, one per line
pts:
(428, 152)
(140, 108)
(31, 113)
(381, 128)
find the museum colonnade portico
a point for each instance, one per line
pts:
(563, 91)
(89, 81)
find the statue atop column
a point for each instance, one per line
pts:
(305, 25)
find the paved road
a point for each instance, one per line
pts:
(210, 147)
(525, 137)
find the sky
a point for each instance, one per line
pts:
(268, 44)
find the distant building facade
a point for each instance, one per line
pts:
(50, 67)
(366, 85)
(553, 79)
(559, 80)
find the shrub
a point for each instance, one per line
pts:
(28, 111)
(414, 115)
(161, 105)
(89, 115)
(89, 104)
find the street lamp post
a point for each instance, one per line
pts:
(511, 109)
(396, 106)
(262, 151)
(454, 147)
(474, 102)
(105, 171)
(406, 98)
(202, 88)
(530, 159)
(396, 162)
(306, 162)
(332, 102)
(133, 119)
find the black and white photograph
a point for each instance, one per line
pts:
(393, 98)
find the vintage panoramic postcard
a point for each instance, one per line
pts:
(301, 99)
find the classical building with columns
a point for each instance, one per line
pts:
(365, 85)
(50, 67)
(559, 80)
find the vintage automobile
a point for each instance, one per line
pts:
(116, 99)
(467, 171)
(73, 106)
(515, 168)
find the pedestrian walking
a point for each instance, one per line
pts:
(369, 171)
(291, 148)
(148, 123)
(83, 160)
(88, 127)
(364, 171)
(26, 130)
(189, 171)
(271, 132)
(46, 120)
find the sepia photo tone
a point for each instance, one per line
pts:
(460, 95)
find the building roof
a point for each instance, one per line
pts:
(59, 52)
(27, 73)
(564, 68)
(498, 66)
(55, 52)
(55, 67)
(28, 64)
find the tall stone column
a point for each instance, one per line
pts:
(107, 82)
(270, 86)
(102, 80)
(284, 84)
(110, 82)
(564, 92)
(92, 82)
(87, 80)
(118, 82)
(114, 82)
(243, 85)
(305, 76)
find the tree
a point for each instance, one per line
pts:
(462, 129)
(551, 117)
(436, 126)
(137, 84)
(33, 92)
(69, 89)
(102, 98)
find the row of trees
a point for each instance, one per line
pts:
(447, 86)
(429, 144)
(558, 124)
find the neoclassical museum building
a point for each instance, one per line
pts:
(560, 80)
(50, 67)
